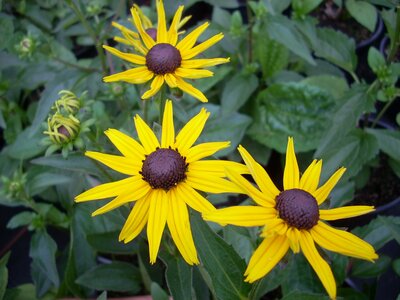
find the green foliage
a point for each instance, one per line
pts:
(364, 12)
(3, 274)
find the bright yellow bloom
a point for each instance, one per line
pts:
(165, 59)
(163, 178)
(292, 218)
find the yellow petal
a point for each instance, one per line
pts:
(168, 131)
(204, 150)
(145, 20)
(121, 28)
(147, 40)
(188, 41)
(118, 163)
(108, 190)
(211, 184)
(128, 146)
(203, 63)
(266, 256)
(133, 58)
(260, 176)
(179, 226)
(291, 173)
(250, 190)
(136, 220)
(274, 226)
(154, 87)
(161, 26)
(170, 79)
(158, 212)
(310, 179)
(193, 198)
(247, 216)
(323, 192)
(344, 212)
(184, 21)
(135, 76)
(188, 88)
(188, 54)
(191, 131)
(293, 235)
(146, 135)
(173, 29)
(193, 73)
(217, 167)
(319, 265)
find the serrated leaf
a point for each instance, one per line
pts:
(107, 242)
(375, 59)
(388, 140)
(364, 12)
(22, 219)
(116, 276)
(291, 109)
(222, 263)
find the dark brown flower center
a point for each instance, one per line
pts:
(163, 59)
(298, 208)
(164, 168)
(152, 32)
(64, 131)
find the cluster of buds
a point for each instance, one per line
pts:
(26, 47)
(14, 187)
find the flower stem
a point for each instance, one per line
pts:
(381, 113)
(394, 45)
(161, 97)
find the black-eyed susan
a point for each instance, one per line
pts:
(165, 59)
(163, 178)
(292, 218)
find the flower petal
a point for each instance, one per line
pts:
(170, 79)
(193, 73)
(191, 131)
(190, 53)
(118, 163)
(136, 220)
(266, 256)
(193, 198)
(291, 173)
(247, 216)
(158, 212)
(319, 265)
(155, 86)
(211, 184)
(128, 146)
(162, 36)
(147, 40)
(179, 226)
(188, 41)
(146, 135)
(293, 235)
(217, 167)
(203, 63)
(342, 242)
(168, 131)
(173, 29)
(344, 212)
(188, 88)
(204, 150)
(133, 58)
(136, 76)
(323, 192)
(121, 28)
(310, 179)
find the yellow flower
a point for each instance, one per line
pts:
(163, 179)
(164, 59)
(292, 218)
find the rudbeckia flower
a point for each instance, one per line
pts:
(164, 177)
(164, 59)
(292, 218)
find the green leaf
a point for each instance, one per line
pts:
(364, 12)
(27, 145)
(393, 227)
(157, 293)
(388, 140)
(22, 219)
(6, 31)
(24, 291)
(241, 240)
(222, 263)
(2, 121)
(336, 47)
(291, 109)
(335, 85)
(45, 180)
(237, 91)
(283, 31)
(367, 269)
(220, 73)
(178, 276)
(268, 283)
(389, 18)
(396, 266)
(303, 7)
(116, 276)
(375, 59)
(3, 274)
(296, 295)
(273, 56)
(103, 296)
(107, 242)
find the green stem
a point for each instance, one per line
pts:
(146, 105)
(381, 113)
(355, 77)
(395, 43)
(161, 97)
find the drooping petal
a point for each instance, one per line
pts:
(190, 53)
(158, 212)
(293, 235)
(121, 28)
(217, 167)
(274, 226)
(173, 29)
(107, 190)
(203, 62)
(145, 20)
(259, 174)
(211, 184)
(266, 256)
(155, 86)
(291, 173)
(319, 265)
(133, 58)
(118, 163)
(191, 131)
(310, 179)
(204, 150)
(147, 40)
(170, 79)
(146, 135)
(259, 197)
(179, 226)
(188, 88)
(193, 73)
(136, 221)
(168, 131)
(162, 36)
(188, 41)
(344, 212)
(342, 242)
(136, 75)
(247, 216)
(128, 146)
(193, 198)
(323, 192)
